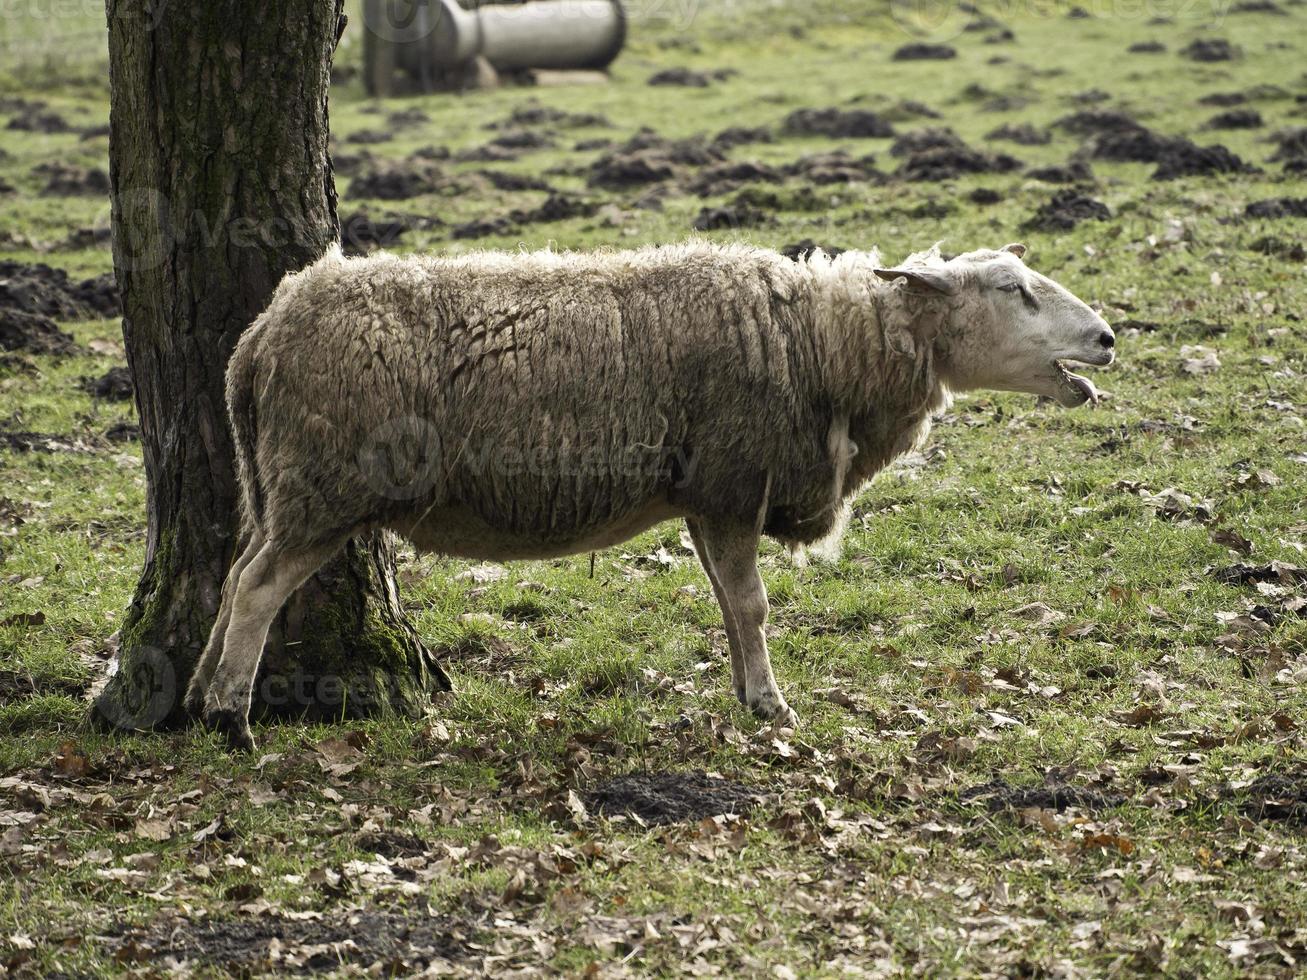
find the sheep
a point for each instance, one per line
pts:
(531, 405)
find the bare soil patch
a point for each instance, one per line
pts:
(1236, 119)
(1211, 49)
(998, 794)
(1023, 134)
(70, 180)
(799, 251)
(394, 943)
(1280, 797)
(49, 292)
(1278, 207)
(838, 124)
(395, 180)
(925, 52)
(115, 385)
(33, 333)
(671, 797)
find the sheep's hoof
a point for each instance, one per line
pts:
(772, 707)
(194, 702)
(232, 725)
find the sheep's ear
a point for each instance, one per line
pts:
(1016, 248)
(923, 278)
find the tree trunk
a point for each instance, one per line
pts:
(222, 184)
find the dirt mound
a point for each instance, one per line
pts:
(930, 138)
(1114, 136)
(683, 77)
(395, 181)
(1223, 100)
(1021, 133)
(947, 162)
(735, 136)
(40, 442)
(1279, 573)
(360, 233)
(484, 227)
(1258, 7)
(648, 158)
(407, 119)
(1146, 47)
(390, 844)
(115, 385)
(534, 114)
(836, 167)
(369, 137)
(1278, 207)
(557, 207)
(1279, 248)
(396, 943)
(1290, 144)
(1088, 122)
(837, 123)
(984, 196)
(1279, 797)
(728, 216)
(502, 180)
(998, 795)
(33, 334)
(522, 139)
(70, 180)
(1236, 119)
(347, 164)
(924, 52)
(723, 178)
(16, 686)
(34, 117)
(907, 109)
(49, 292)
(670, 797)
(1072, 172)
(802, 250)
(1184, 158)
(1067, 209)
(1212, 49)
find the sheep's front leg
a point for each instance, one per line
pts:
(208, 664)
(733, 553)
(732, 636)
(263, 586)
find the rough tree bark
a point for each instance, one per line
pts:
(221, 184)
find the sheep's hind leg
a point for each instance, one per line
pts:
(208, 662)
(264, 585)
(732, 636)
(733, 549)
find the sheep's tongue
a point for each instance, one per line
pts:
(1085, 385)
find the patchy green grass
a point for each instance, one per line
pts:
(1144, 697)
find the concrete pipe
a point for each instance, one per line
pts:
(541, 34)
(433, 39)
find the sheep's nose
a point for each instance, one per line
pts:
(1107, 339)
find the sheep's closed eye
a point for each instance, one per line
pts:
(1026, 294)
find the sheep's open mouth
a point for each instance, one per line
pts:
(1079, 389)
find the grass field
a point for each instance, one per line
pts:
(1046, 728)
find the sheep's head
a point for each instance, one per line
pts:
(1008, 327)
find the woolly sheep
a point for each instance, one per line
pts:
(507, 406)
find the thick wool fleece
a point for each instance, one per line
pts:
(523, 405)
